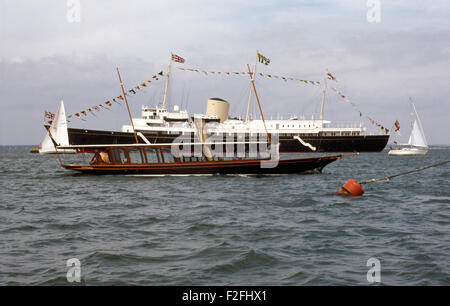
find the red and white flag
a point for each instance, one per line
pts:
(397, 126)
(331, 77)
(49, 115)
(177, 58)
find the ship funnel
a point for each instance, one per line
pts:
(218, 107)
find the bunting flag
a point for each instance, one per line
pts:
(270, 76)
(100, 107)
(79, 116)
(178, 59)
(49, 115)
(331, 77)
(90, 110)
(263, 59)
(397, 126)
(372, 121)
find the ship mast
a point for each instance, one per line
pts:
(128, 108)
(323, 97)
(250, 92)
(167, 84)
(259, 104)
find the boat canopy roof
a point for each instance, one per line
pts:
(157, 145)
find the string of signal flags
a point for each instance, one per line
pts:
(260, 59)
(372, 121)
(107, 105)
(132, 91)
(271, 76)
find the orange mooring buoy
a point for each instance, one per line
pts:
(351, 188)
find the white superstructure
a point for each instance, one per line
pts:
(156, 119)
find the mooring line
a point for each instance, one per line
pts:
(403, 173)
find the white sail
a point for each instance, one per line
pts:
(58, 129)
(417, 137)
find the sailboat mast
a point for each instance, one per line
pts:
(167, 84)
(323, 96)
(411, 141)
(250, 92)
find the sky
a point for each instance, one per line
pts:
(48, 55)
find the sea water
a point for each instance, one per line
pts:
(225, 230)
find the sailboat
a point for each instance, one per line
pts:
(417, 144)
(57, 131)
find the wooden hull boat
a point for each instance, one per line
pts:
(286, 166)
(158, 159)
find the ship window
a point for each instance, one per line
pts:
(136, 156)
(119, 156)
(152, 155)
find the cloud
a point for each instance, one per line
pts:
(44, 58)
